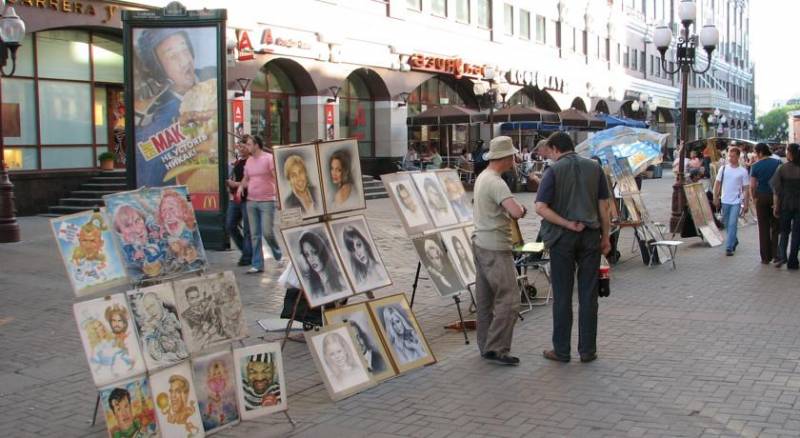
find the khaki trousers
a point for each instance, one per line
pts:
(497, 296)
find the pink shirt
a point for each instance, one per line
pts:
(261, 174)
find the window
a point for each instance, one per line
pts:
(357, 113)
(585, 43)
(508, 13)
(634, 59)
(462, 11)
(574, 39)
(652, 65)
(524, 24)
(541, 31)
(414, 4)
(658, 67)
(627, 57)
(439, 7)
(275, 106)
(643, 62)
(484, 13)
(558, 34)
(619, 51)
(608, 49)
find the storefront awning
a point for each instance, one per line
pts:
(573, 118)
(519, 113)
(446, 115)
(613, 121)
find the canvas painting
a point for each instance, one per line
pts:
(89, 252)
(109, 339)
(157, 323)
(338, 361)
(404, 339)
(297, 170)
(460, 252)
(341, 176)
(176, 402)
(407, 202)
(362, 261)
(215, 383)
(129, 409)
(456, 194)
(210, 310)
(260, 380)
(157, 231)
(438, 265)
(436, 202)
(314, 259)
(368, 339)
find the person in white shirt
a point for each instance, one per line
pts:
(731, 190)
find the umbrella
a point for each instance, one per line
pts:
(519, 113)
(446, 115)
(573, 118)
(641, 147)
(614, 121)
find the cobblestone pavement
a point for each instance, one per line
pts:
(709, 350)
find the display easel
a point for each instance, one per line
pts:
(460, 324)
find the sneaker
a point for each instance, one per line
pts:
(254, 271)
(504, 359)
(551, 355)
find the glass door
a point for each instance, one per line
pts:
(115, 98)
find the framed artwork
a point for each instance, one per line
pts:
(297, 171)
(129, 409)
(339, 361)
(260, 380)
(176, 402)
(158, 326)
(109, 339)
(314, 259)
(407, 202)
(210, 310)
(215, 383)
(341, 176)
(157, 231)
(368, 338)
(438, 265)
(361, 259)
(460, 251)
(455, 194)
(89, 252)
(399, 328)
(702, 216)
(436, 202)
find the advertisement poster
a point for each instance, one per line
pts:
(176, 105)
(329, 131)
(237, 112)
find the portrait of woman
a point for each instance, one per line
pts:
(437, 203)
(361, 259)
(460, 252)
(407, 202)
(298, 179)
(456, 195)
(368, 341)
(401, 335)
(303, 194)
(341, 175)
(338, 360)
(439, 267)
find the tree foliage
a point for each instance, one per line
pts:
(773, 120)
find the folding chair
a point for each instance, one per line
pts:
(670, 245)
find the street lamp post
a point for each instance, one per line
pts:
(490, 94)
(717, 120)
(12, 31)
(685, 59)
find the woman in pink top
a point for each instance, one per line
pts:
(259, 181)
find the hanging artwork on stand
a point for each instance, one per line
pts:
(361, 259)
(215, 383)
(129, 409)
(338, 361)
(260, 380)
(368, 338)
(455, 194)
(176, 402)
(459, 250)
(439, 266)
(341, 176)
(109, 339)
(158, 325)
(404, 339)
(407, 202)
(297, 172)
(436, 202)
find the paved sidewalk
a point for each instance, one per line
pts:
(710, 350)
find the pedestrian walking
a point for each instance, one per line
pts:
(732, 195)
(786, 206)
(236, 217)
(496, 289)
(572, 201)
(761, 173)
(260, 180)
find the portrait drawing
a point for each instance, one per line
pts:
(260, 380)
(439, 266)
(215, 383)
(129, 409)
(338, 361)
(436, 201)
(400, 330)
(176, 402)
(456, 194)
(368, 339)
(297, 171)
(459, 250)
(407, 202)
(157, 323)
(360, 255)
(341, 175)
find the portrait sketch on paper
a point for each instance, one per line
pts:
(176, 402)
(368, 339)
(438, 265)
(318, 268)
(407, 202)
(298, 179)
(460, 251)
(158, 325)
(215, 383)
(210, 310)
(456, 194)
(129, 409)
(260, 380)
(438, 206)
(360, 256)
(342, 367)
(401, 332)
(341, 176)
(109, 339)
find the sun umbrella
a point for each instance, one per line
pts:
(641, 147)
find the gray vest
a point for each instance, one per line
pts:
(576, 198)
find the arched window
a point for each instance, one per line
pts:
(434, 91)
(521, 97)
(275, 107)
(357, 114)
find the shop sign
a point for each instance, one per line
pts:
(267, 40)
(108, 12)
(632, 95)
(455, 67)
(664, 103)
(329, 127)
(237, 113)
(245, 47)
(535, 78)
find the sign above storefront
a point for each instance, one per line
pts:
(245, 47)
(267, 40)
(455, 67)
(538, 79)
(47, 14)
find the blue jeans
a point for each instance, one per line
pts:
(237, 214)
(730, 217)
(789, 224)
(262, 215)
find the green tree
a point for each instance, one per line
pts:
(773, 120)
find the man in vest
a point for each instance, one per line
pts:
(575, 221)
(496, 289)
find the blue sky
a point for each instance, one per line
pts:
(773, 25)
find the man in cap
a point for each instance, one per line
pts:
(497, 293)
(575, 222)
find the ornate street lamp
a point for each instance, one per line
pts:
(12, 31)
(718, 120)
(686, 46)
(490, 94)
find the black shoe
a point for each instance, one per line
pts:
(728, 253)
(588, 357)
(792, 267)
(551, 355)
(243, 262)
(504, 359)
(736, 244)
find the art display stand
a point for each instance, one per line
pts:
(458, 325)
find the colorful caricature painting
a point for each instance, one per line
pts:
(89, 251)
(158, 326)
(176, 402)
(210, 310)
(129, 409)
(157, 230)
(215, 383)
(109, 339)
(261, 386)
